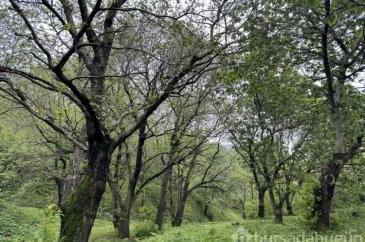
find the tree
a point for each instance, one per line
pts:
(185, 111)
(54, 37)
(331, 37)
(271, 104)
(194, 174)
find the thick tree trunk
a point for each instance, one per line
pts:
(162, 203)
(82, 204)
(124, 225)
(81, 208)
(324, 195)
(261, 208)
(67, 184)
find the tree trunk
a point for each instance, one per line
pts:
(81, 208)
(278, 211)
(205, 211)
(116, 202)
(324, 195)
(289, 206)
(82, 204)
(123, 225)
(61, 184)
(243, 206)
(67, 183)
(277, 207)
(177, 221)
(162, 203)
(121, 211)
(261, 209)
(171, 196)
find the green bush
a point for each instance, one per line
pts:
(51, 218)
(147, 212)
(305, 204)
(13, 224)
(145, 229)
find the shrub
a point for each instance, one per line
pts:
(145, 229)
(147, 212)
(306, 203)
(47, 231)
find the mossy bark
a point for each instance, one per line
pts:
(82, 205)
(81, 208)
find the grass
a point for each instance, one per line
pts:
(103, 231)
(28, 223)
(205, 232)
(33, 224)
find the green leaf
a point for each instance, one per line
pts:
(68, 26)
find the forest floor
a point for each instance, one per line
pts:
(33, 224)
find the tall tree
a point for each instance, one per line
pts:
(55, 36)
(331, 39)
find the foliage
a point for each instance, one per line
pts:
(144, 229)
(148, 89)
(27, 223)
(47, 231)
(147, 212)
(305, 204)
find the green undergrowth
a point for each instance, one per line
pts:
(28, 223)
(34, 224)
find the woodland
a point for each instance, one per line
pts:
(183, 120)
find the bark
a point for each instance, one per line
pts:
(121, 212)
(171, 197)
(67, 183)
(61, 187)
(261, 204)
(277, 207)
(183, 194)
(162, 202)
(243, 206)
(177, 221)
(122, 209)
(114, 186)
(205, 211)
(174, 144)
(289, 207)
(124, 225)
(82, 204)
(278, 214)
(278, 203)
(324, 194)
